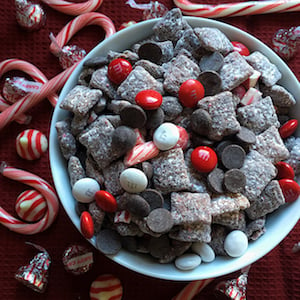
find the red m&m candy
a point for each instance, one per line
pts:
(240, 47)
(284, 170)
(190, 92)
(290, 189)
(87, 225)
(118, 70)
(204, 159)
(106, 201)
(149, 99)
(288, 128)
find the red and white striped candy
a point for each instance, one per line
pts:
(106, 287)
(252, 96)
(140, 153)
(122, 216)
(31, 206)
(31, 144)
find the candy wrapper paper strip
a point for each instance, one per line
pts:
(35, 274)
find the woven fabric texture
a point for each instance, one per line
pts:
(275, 276)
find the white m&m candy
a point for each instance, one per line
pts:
(236, 243)
(84, 189)
(133, 180)
(31, 206)
(166, 136)
(31, 144)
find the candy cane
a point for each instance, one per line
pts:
(192, 289)
(29, 69)
(21, 119)
(238, 8)
(78, 23)
(74, 9)
(30, 100)
(38, 184)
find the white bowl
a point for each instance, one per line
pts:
(278, 224)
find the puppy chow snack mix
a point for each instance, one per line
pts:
(157, 194)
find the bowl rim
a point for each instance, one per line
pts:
(142, 263)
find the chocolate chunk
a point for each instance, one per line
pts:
(159, 247)
(234, 180)
(211, 82)
(246, 136)
(154, 118)
(211, 62)
(160, 220)
(150, 51)
(133, 116)
(137, 205)
(123, 139)
(215, 180)
(153, 197)
(199, 140)
(108, 241)
(147, 169)
(233, 156)
(200, 121)
(95, 62)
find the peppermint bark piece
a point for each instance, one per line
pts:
(80, 100)
(170, 172)
(259, 172)
(258, 116)
(270, 145)
(179, 69)
(232, 220)
(75, 169)
(139, 79)
(270, 74)
(234, 71)
(270, 199)
(111, 177)
(221, 108)
(189, 208)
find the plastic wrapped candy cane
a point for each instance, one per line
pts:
(192, 289)
(237, 8)
(29, 69)
(30, 100)
(68, 55)
(38, 184)
(152, 10)
(74, 9)
(285, 42)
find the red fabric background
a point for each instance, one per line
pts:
(276, 276)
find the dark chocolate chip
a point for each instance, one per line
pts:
(133, 116)
(215, 180)
(199, 140)
(200, 121)
(95, 62)
(108, 241)
(153, 197)
(159, 247)
(137, 205)
(233, 157)
(212, 62)
(221, 146)
(123, 139)
(129, 243)
(246, 136)
(160, 220)
(211, 82)
(147, 169)
(234, 180)
(150, 51)
(154, 118)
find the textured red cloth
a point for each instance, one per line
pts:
(276, 276)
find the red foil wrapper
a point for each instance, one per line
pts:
(235, 289)
(77, 259)
(35, 274)
(30, 16)
(69, 55)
